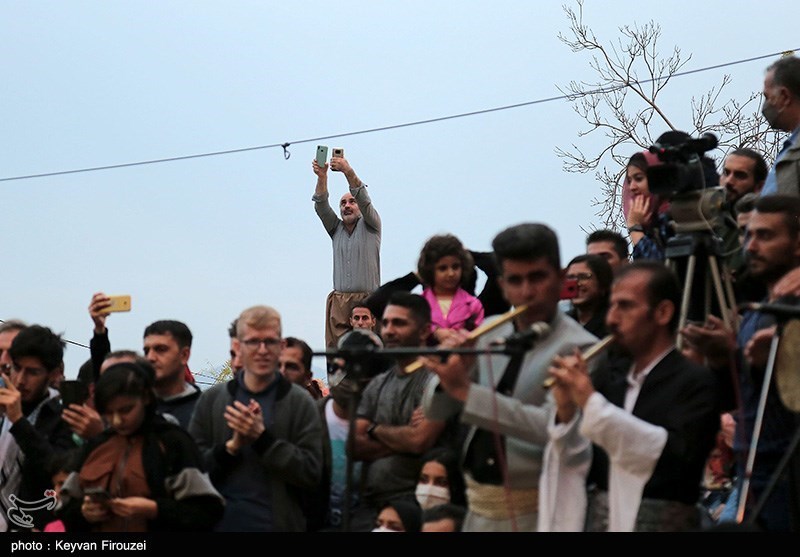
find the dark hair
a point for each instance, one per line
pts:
(418, 306)
(450, 460)
(760, 168)
(232, 328)
(788, 205)
(527, 242)
(600, 268)
(441, 246)
(305, 349)
(179, 331)
(639, 161)
(445, 511)
(409, 511)
(786, 73)
(617, 240)
(126, 379)
(662, 285)
(38, 342)
(61, 461)
(362, 304)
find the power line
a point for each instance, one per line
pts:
(385, 128)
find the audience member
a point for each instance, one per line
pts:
(646, 214)
(295, 365)
(391, 432)
(446, 517)
(773, 252)
(260, 434)
(31, 428)
(356, 238)
(399, 515)
(593, 275)
(167, 346)
(781, 109)
(440, 479)
(361, 317)
(445, 267)
(609, 244)
(143, 474)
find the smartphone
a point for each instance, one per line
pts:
(97, 494)
(73, 392)
(338, 152)
(322, 154)
(569, 289)
(119, 303)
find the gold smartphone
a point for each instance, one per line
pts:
(119, 303)
(338, 152)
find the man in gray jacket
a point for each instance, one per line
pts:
(260, 435)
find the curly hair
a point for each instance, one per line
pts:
(441, 246)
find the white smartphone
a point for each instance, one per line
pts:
(322, 154)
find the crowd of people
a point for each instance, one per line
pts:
(600, 395)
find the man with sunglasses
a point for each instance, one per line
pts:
(260, 434)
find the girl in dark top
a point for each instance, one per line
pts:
(143, 473)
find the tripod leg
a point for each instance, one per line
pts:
(762, 405)
(723, 305)
(687, 294)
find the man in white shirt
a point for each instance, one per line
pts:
(643, 424)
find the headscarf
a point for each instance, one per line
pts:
(657, 205)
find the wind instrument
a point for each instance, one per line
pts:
(587, 355)
(480, 331)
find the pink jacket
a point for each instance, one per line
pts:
(463, 308)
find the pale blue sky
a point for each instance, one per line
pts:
(97, 83)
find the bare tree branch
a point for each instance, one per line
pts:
(627, 121)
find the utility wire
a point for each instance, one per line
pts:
(390, 127)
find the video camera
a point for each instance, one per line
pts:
(682, 167)
(688, 179)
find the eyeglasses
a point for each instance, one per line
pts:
(580, 277)
(255, 343)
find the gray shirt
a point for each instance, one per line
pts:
(356, 256)
(391, 398)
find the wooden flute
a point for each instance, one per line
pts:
(482, 330)
(587, 355)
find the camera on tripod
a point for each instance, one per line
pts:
(683, 178)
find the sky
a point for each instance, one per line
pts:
(94, 83)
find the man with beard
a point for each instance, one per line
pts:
(391, 433)
(645, 420)
(743, 173)
(773, 251)
(356, 238)
(782, 111)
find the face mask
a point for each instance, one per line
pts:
(429, 495)
(383, 529)
(770, 114)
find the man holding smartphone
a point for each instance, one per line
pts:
(356, 238)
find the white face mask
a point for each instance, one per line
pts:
(429, 495)
(383, 529)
